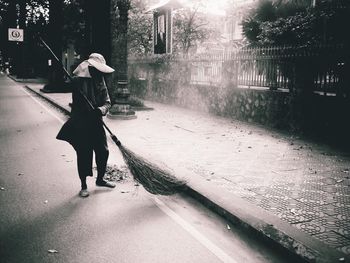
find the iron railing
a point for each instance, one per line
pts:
(322, 68)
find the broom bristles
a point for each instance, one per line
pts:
(152, 178)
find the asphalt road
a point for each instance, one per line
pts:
(42, 218)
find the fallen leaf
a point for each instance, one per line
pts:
(339, 181)
(228, 227)
(46, 201)
(52, 251)
(2, 189)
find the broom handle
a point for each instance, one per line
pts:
(53, 54)
(70, 77)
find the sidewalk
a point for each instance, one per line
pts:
(291, 192)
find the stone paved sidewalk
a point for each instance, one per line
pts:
(301, 182)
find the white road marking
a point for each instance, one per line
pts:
(219, 253)
(195, 233)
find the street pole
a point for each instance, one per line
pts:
(119, 60)
(55, 75)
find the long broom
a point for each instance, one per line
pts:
(150, 176)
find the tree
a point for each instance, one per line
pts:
(28, 16)
(140, 28)
(74, 26)
(295, 22)
(191, 27)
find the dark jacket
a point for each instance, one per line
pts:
(85, 122)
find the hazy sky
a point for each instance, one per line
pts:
(212, 6)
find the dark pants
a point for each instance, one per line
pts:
(92, 141)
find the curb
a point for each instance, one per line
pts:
(31, 80)
(256, 221)
(267, 227)
(46, 98)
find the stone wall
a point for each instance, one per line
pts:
(317, 104)
(268, 107)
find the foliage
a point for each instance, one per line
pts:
(282, 22)
(139, 29)
(37, 17)
(37, 11)
(32, 16)
(191, 27)
(135, 102)
(74, 24)
(3, 10)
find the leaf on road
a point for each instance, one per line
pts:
(2, 189)
(339, 181)
(52, 251)
(293, 211)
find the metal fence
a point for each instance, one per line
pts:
(322, 68)
(274, 67)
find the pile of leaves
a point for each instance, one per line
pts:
(116, 174)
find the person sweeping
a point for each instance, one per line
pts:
(84, 129)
